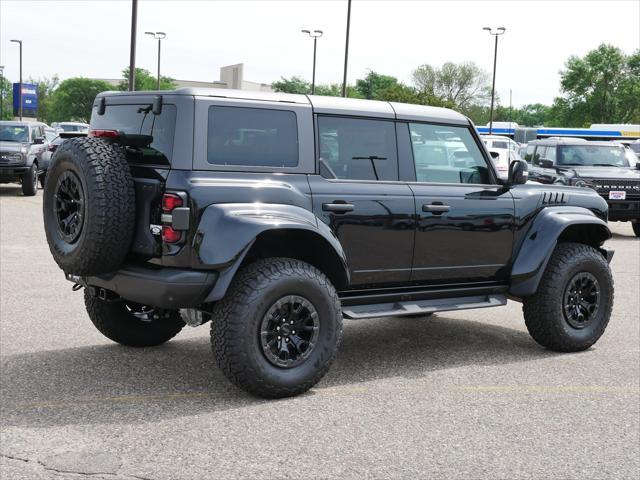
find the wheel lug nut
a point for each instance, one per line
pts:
(286, 339)
(293, 332)
(291, 322)
(279, 337)
(277, 328)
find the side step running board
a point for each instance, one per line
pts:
(397, 309)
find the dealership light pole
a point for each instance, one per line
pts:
(132, 50)
(19, 42)
(1, 91)
(496, 33)
(346, 51)
(158, 36)
(315, 35)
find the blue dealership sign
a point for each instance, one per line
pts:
(29, 99)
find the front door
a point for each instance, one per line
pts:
(465, 220)
(359, 196)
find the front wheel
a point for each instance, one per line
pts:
(277, 330)
(571, 309)
(132, 324)
(30, 181)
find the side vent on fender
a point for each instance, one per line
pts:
(554, 198)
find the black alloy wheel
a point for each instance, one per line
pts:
(289, 331)
(69, 206)
(581, 300)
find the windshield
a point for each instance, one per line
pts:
(13, 133)
(73, 128)
(592, 155)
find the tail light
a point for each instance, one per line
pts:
(103, 133)
(175, 217)
(169, 235)
(170, 201)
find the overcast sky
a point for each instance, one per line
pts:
(91, 38)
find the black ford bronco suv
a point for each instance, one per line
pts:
(275, 216)
(602, 166)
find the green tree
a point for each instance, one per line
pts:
(7, 98)
(374, 83)
(601, 87)
(145, 81)
(73, 99)
(292, 85)
(461, 85)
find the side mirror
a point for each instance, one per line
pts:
(38, 140)
(545, 163)
(518, 172)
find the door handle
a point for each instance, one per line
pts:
(436, 209)
(337, 207)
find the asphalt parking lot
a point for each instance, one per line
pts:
(464, 395)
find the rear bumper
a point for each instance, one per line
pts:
(159, 287)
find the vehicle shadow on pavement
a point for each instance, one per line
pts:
(11, 191)
(113, 384)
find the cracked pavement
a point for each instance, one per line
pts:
(463, 395)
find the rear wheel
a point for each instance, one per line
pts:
(277, 330)
(636, 228)
(30, 181)
(132, 324)
(571, 309)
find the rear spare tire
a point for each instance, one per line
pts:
(89, 206)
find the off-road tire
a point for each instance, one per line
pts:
(543, 312)
(109, 206)
(236, 321)
(117, 323)
(636, 228)
(30, 181)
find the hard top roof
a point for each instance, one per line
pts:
(321, 104)
(571, 141)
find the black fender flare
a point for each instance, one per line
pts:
(540, 241)
(227, 231)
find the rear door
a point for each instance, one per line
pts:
(359, 196)
(465, 219)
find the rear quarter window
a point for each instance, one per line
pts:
(256, 137)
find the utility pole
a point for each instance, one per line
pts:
(346, 51)
(132, 51)
(496, 33)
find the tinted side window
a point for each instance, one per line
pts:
(447, 154)
(257, 137)
(358, 149)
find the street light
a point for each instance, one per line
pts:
(158, 36)
(19, 42)
(496, 33)
(315, 35)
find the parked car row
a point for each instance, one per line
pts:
(26, 149)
